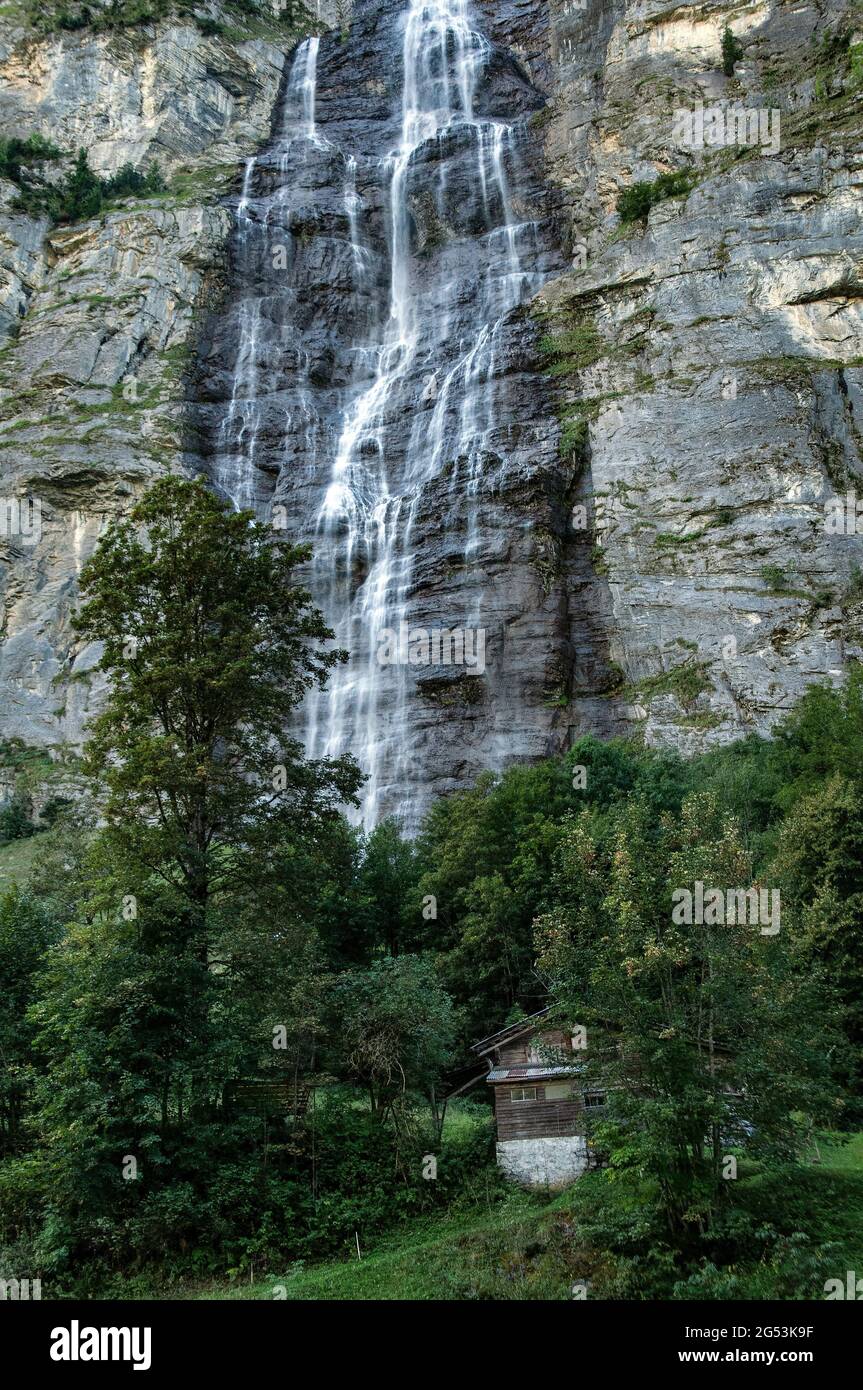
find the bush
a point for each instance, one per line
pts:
(732, 52)
(15, 822)
(53, 810)
(17, 156)
(774, 576)
(82, 194)
(215, 1209)
(634, 203)
(119, 14)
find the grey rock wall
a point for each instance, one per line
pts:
(551, 1162)
(692, 381)
(717, 368)
(100, 316)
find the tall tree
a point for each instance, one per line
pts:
(819, 863)
(693, 1026)
(192, 956)
(386, 878)
(487, 854)
(27, 929)
(210, 645)
(394, 1027)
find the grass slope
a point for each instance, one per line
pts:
(529, 1246)
(18, 859)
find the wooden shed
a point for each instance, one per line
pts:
(539, 1102)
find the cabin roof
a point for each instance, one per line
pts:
(530, 1073)
(514, 1030)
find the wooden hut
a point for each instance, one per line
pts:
(539, 1103)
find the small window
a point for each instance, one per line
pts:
(594, 1099)
(523, 1093)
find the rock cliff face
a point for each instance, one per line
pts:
(407, 323)
(100, 316)
(716, 352)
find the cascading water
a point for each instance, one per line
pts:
(239, 434)
(377, 377)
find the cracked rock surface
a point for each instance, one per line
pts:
(699, 388)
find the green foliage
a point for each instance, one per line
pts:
(128, 182)
(190, 937)
(210, 647)
(821, 736)
(819, 860)
(486, 856)
(571, 349)
(634, 203)
(774, 576)
(69, 15)
(692, 1027)
(365, 903)
(26, 930)
(15, 821)
(126, 15)
(77, 196)
(17, 156)
(54, 810)
(395, 1028)
(224, 925)
(732, 51)
(686, 681)
(781, 1235)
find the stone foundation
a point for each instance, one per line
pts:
(547, 1162)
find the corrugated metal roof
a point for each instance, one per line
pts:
(530, 1073)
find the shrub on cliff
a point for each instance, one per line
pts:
(80, 195)
(732, 52)
(634, 203)
(15, 822)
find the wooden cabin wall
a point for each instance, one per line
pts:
(532, 1119)
(515, 1053)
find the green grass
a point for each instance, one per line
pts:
(841, 1158)
(468, 1257)
(18, 859)
(686, 681)
(506, 1253)
(528, 1246)
(805, 1224)
(571, 349)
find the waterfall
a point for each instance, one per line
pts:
(401, 398)
(237, 445)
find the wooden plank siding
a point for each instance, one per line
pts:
(532, 1119)
(267, 1094)
(520, 1050)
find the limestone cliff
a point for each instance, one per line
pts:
(714, 378)
(647, 541)
(100, 316)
